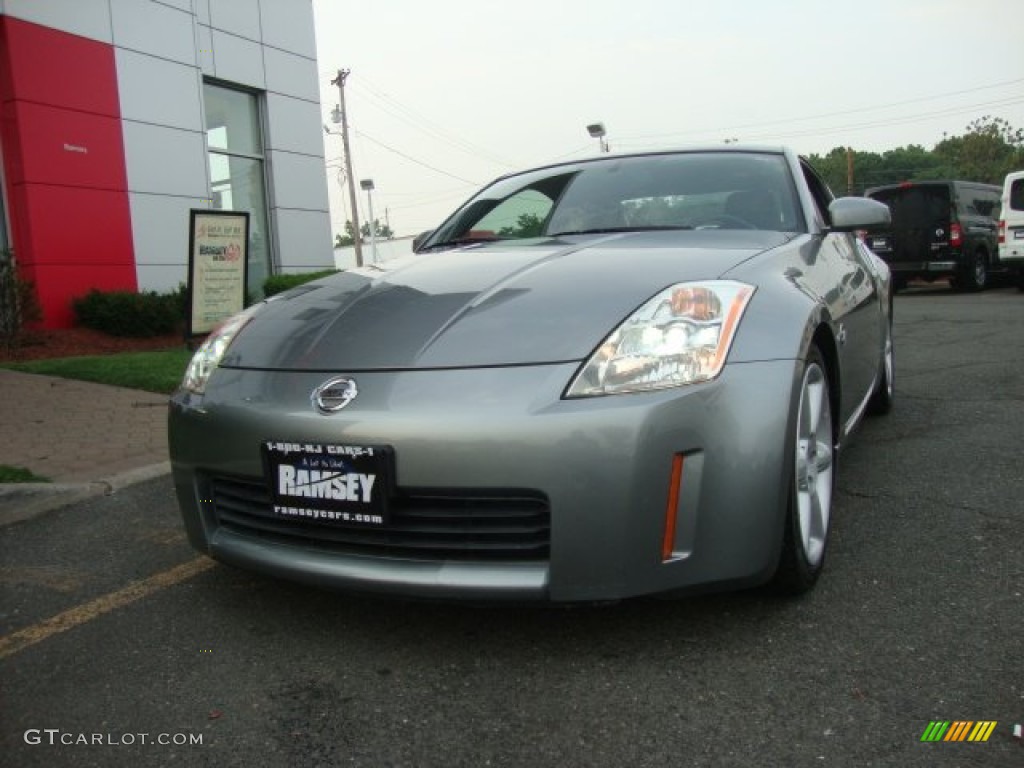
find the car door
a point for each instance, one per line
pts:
(845, 282)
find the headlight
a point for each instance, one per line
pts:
(681, 336)
(209, 354)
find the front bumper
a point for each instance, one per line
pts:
(601, 467)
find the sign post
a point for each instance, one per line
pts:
(218, 252)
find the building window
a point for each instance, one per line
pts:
(237, 180)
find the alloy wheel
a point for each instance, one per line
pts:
(814, 463)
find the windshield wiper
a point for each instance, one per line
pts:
(463, 241)
(616, 230)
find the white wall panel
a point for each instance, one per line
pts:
(202, 11)
(304, 240)
(239, 17)
(288, 24)
(87, 18)
(294, 125)
(152, 28)
(165, 160)
(204, 50)
(158, 91)
(238, 60)
(160, 278)
(297, 181)
(181, 5)
(160, 228)
(291, 75)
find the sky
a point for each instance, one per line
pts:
(443, 96)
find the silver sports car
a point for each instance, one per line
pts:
(620, 376)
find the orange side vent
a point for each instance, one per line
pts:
(669, 537)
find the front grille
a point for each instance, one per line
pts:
(425, 524)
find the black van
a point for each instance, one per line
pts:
(939, 229)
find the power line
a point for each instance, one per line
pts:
(431, 201)
(804, 118)
(366, 136)
(409, 116)
(848, 127)
(906, 120)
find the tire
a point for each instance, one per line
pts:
(975, 277)
(885, 392)
(812, 483)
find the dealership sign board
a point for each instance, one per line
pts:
(217, 255)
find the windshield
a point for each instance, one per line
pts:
(697, 190)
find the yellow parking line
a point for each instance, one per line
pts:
(73, 617)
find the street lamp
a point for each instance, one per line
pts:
(367, 184)
(596, 131)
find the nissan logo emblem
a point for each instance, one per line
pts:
(335, 394)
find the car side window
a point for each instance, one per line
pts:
(521, 215)
(1017, 195)
(980, 202)
(820, 192)
(991, 205)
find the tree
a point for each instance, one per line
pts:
(382, 231)
(989, 150)
(348, 239)
(871, 169)
(527, 225)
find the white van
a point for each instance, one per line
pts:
(1011, 226)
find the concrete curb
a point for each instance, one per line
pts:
(25, 501)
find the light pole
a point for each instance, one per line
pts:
(596, 131)
(367, 184)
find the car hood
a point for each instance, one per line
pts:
(537, 301)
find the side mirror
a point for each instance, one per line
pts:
(420, 239)
(851, 213)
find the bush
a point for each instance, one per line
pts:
(280, 283)
(126, 313)
(18, 303)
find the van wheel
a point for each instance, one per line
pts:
(975, 277)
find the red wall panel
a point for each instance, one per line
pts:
(57, 286)
(52, 67)
(63, 153)
(67, 148)
(93, 226)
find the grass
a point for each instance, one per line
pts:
(10, 474)
(158, 371)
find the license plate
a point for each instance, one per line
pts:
(1018, 234)
(335, 484)
(879, 242)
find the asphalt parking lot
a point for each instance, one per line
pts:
(121, 646)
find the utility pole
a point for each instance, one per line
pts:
(849, 171)
(357, 237)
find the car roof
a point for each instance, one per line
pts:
(694, 149)
(931, 182)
